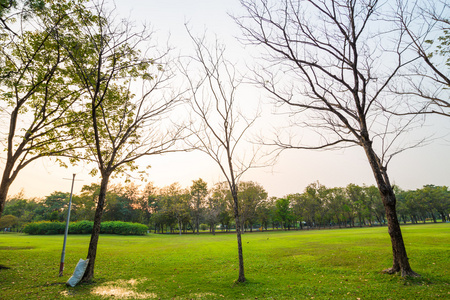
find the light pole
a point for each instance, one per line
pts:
(63, 254)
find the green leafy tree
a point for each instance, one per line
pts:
(199, 191)
(219, 206)
(146, 205)
(376, 204)
(265, 212)
(337, 202)
(250, 195)
(120, 126)
(176, 203)
(37, 91)
(283, 212)
(358, 199)
(8, 221)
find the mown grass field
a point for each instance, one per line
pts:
(319, 264)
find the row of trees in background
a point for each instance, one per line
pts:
(176, 209)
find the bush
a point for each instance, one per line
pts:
(83, 227)
(44, 227)
(123, 228)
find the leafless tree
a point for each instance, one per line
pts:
(219, 126)
(336, 60)
(427, 28)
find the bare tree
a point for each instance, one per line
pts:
(341, 56)
(220, 126)
(122, 126)
(427, 28)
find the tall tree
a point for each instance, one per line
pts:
(176, 203)
(219, 206)
(37, 93)
(221, 127)
(250, 195)
(122, 126)
(199, 190)
(283, 212)
(340, 57)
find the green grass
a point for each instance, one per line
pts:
(319, 264)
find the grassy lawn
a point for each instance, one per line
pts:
(319, 264)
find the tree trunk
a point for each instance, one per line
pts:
(434, 217)
(92, 252)
(441, 213)
(400, 258)
(7, 179)
(4, 188)
(241, 277)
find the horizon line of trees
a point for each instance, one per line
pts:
(173, 209)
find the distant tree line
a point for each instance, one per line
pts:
(173, 209)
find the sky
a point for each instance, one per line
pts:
(294, 170)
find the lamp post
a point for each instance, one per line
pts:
(63, 254)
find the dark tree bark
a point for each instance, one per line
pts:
(400, 257)
(92, 250)
(330, 54)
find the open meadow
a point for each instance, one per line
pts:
(319, 264)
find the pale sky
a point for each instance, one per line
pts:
(295, 169)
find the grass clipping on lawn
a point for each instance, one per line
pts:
(123, 289)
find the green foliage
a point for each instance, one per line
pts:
(8, 5)
(82, 227)
(443, 44)
(85, 227)
(44, 228)
(164, 209)
(123, 228)
(8, 221)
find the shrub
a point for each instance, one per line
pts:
(123, 228)
(44, 227)
(83, 227)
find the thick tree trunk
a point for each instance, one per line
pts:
(400, 258)
(7, 179)
(4, 188)
(92, 252)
